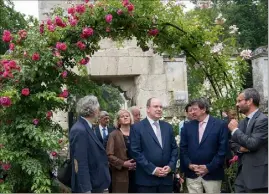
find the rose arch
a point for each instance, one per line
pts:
(38, 77)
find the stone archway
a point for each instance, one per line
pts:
(139, 74)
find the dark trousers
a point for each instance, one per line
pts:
(155, 189)
(239, 186)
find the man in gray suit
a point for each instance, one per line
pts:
(251, 140)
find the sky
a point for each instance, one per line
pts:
(27, 7)
(31, 7)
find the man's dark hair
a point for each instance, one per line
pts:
(252, 93)
(187, 107)
(202, 104)
(149, 101)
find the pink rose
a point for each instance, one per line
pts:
(7, 74)
(61, 46)
(64, 74)
(125, 3)
(130, 7)
(6, 166)
(49, 22)
(108, 18)
(81, 45)
(6, 36)
(25, 53)
(59, 22)
(35, 121)
(35, 57)
(87, 1)
(11, 46)
(71, 10)
(41, 28)
(119, 12)
(49, 114)
(64, 94)
(51, 27)
(25, 91)
(73, 22)
(84, 61)
(87, 32)
(5, 101)
(80, 8)
(12, 64)
(153, 32)
(23, 34)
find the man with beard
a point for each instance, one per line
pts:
(251, 137)
(155, 151)
(90, 171)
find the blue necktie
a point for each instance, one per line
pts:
(104, 133)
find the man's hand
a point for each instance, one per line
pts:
(243, 149)
(159, 172)
(129, 164)
(166, 169)
(193, 167)
(233, 125)
(201, 170)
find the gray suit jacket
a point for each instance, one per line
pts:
(254, 164)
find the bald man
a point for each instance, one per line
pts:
(136, 113)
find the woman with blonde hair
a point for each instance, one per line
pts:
(118, 152)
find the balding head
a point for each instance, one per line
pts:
(135, 111)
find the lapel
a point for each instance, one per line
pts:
(196, 131)
(150, 130)
(208, 129)
(251, 122)
(98, 134)
(91, 133)
(162, 132)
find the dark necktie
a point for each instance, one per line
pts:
(104, 133)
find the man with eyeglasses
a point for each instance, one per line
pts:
(250, 142)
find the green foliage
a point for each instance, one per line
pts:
(31, 138)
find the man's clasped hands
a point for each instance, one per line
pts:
(200, 170)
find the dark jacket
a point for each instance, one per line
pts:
(89, 160)
(254, 164)
(148, 153)
(210, 151)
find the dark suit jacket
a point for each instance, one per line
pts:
(117, 154)
(149, 154)
(210, 152)
(89, 160)
(254, 164)
(98, 134)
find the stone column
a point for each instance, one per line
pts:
(259, 62)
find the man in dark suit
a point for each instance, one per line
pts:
(154, 148)
(90, 171)
(103, 130)
(203, 146)
(251, 138)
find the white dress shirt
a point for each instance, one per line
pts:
(101, 130)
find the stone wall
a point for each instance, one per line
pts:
(260, 74)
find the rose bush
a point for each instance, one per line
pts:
(37, 79)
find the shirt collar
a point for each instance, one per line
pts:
(205, 120)
(101, 127)
(152, 121)
(89, 123)
(252, 114)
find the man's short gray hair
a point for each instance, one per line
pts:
(252, 93)
(131, 109)
(87, 106)
(103, 114)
